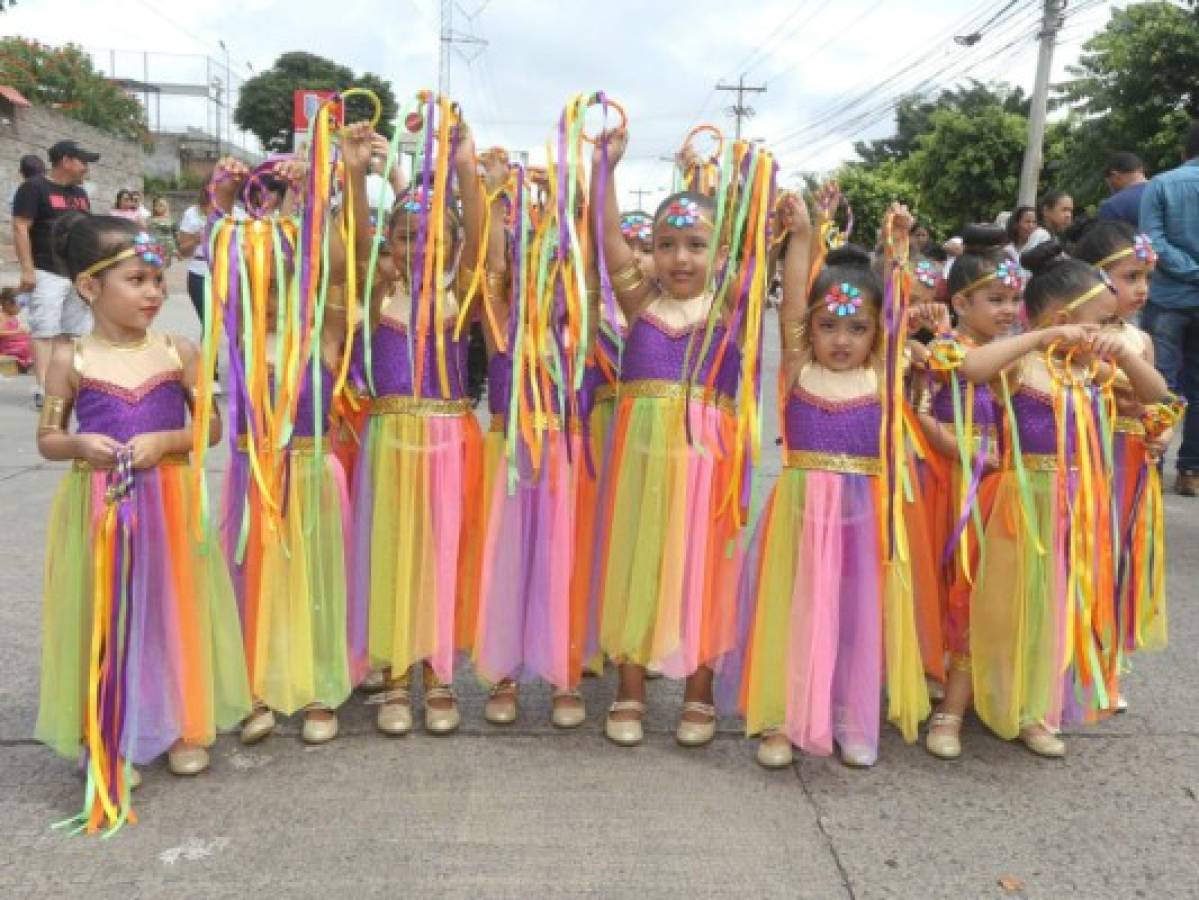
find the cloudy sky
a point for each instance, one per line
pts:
(832, 69)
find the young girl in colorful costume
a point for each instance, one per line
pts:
(285, 509)
(826, 596)
(1043, 645)
(530, 623)
(416, 531)
(961, 471)
(141, 652)
(670, 512)
(1142, 434)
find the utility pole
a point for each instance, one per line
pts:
(449, 38)
(739, 109)
(641, 194)
(1034, 151)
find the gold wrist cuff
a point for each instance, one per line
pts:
(793, 335)
(53, 416)
(629, 278)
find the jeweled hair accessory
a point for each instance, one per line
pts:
(928, 273)
(637, 227)
(1009, 275)
(1142, 249)
(148, 249)
(417, 200)
(682, 214)
(144, 246)
(843, 299)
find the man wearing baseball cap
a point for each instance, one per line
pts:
(56, 312)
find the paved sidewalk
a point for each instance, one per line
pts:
(531, 812)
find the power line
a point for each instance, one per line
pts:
(916, 79)
(912, 67)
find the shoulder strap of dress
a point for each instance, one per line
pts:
(168, 342)
(77, 355)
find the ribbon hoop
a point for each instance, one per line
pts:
(607, 103)
(705, 128)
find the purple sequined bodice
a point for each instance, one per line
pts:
(158, 404)
(815, 425)
(393, 368)
(984, 404)
(1034, 422)
(655, 353)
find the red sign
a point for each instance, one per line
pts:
(306, 103)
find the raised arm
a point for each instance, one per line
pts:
(981, 364)
(631, 287)
(466, 167)
(495, 313)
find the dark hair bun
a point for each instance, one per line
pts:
(1043, 257)
(60, 238)
(981, 238)
(848, 255)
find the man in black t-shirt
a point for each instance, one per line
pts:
(56, 311)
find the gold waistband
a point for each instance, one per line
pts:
(296, 445)
(673, 390)
(833, 462)
(1129, 425)
(544, 422)
(605, 392)
(419, 406)
(1040, 462)
(171, 459)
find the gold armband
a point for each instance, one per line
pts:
(794, 336)
(629, 278)
(54, 414)
(496, 283)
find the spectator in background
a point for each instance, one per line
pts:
(1021, 225)
(191, 247)
(126, 207)
(141, 209)
(163, 228)
(1125, 177)
(1170, 216)
(1057, 214)
(14, 336)
(56, 312)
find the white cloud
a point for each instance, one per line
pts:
(661, 59)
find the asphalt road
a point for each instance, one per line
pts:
(529, 812)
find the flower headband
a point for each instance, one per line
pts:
(928, 273)
(418, 200)
(684, 214)
(1006, 273)
(1141, 248)
(143, 246)
(637, 227)
(1105, 284)
(843, 299)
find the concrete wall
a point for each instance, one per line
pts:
(34, 129)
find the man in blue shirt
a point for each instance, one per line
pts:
(1125, 177)
(1170, 216)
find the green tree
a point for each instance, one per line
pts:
(870, 191)
(1134, 88)
(64, 78)
(264, 107)
(913, 117)
(968, 165)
